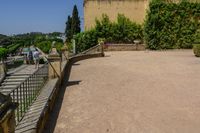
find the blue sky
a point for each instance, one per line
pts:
(22, 16)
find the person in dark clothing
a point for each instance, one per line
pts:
(30, 57)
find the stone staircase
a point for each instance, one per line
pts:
(15, 78)
(11, 82)
(23, 87)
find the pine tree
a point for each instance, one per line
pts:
(75, 26)
(68, 30)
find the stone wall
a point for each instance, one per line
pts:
(124, 47)
(133, 9)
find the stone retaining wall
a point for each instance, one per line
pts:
(124, 47)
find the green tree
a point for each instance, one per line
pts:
(68, 31)
(3, 53)
(75, 22)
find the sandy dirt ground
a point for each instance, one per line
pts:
(131, 92)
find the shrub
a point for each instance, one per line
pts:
(85, 40)
(44, 46)
(196, 50)
(41, 61)
(122, 31)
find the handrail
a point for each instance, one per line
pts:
(84, 52)
(52, 67)
(27, 91)
(26, 79)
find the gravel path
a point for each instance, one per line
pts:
(131, 92)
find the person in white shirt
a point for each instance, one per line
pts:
(36, 58)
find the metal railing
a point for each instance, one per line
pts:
(26, 93)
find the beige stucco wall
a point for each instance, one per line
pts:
(133, 9)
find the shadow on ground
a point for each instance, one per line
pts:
(51, 122)
(76, 64)
(71, 83)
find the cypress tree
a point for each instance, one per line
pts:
(68, 30)
(75, 25)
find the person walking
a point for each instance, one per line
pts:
(36, 58)
(30, 57)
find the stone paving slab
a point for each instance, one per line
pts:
(131, 92)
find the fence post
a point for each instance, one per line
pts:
(7, 114)
(54, 64)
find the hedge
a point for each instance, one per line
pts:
(171, 25)
(45, 46)
(12, 48)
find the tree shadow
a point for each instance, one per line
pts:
(107, 56)
(71, 83)
(76, 64)
(51, 122)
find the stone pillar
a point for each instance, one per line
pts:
(54, 64)
(7, 114)
(25, 59)
(2, 68)
(102, 48)
(65, 52)
(137, 42)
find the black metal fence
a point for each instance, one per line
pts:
(26, 93)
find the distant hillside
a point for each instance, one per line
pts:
(1, 36)
(41, 40)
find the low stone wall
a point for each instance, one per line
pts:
(36, 117)
(84, 57)
(124, 47)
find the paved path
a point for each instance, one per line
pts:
(131, 92)
(25, 69)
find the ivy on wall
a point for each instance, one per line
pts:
(172, 25)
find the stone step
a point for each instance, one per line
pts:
(19, 74)
(13, 80)
(17, 77)
(6, 90)
(27, 91)
(8, 87)
(10, 83)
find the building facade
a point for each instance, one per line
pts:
(135, 10)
